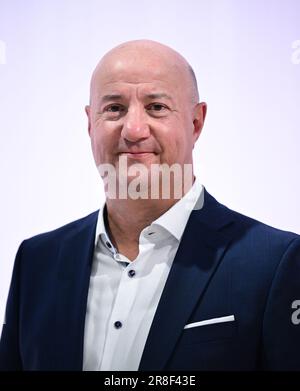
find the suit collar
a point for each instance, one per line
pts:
(205, 239)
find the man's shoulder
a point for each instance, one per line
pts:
(252, 244)
(252, 228)
(63, 232)
(260, 227)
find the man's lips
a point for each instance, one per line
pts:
(138, 154)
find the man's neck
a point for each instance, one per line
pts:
(126, 218)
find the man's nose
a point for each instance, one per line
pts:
(135, 126)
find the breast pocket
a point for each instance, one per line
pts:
(209, 332)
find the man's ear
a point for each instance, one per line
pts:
(88, 110)
(199, 118)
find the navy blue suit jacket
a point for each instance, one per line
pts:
(226, 264)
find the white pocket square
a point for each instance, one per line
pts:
(222, 319)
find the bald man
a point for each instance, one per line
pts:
(153, 282)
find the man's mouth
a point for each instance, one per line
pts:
(140, 154)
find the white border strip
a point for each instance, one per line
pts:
(229, 318)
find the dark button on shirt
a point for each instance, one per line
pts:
(131, 273)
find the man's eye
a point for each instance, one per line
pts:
(114, 108)
(156, 107)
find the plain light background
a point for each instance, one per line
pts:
(246, 55)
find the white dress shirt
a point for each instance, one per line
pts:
(123, 294)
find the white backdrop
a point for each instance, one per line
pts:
(247, 59)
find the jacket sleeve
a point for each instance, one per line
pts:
(281, 324)
(10, 358)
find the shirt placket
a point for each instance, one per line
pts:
(117, 325)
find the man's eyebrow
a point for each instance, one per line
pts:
(155, 95)
(109, 97)
(158, 95)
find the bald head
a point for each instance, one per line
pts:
(150, 56)
(144, 105)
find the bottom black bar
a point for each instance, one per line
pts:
(148, 380)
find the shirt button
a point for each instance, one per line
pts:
(118, 324)
(108, 244)
(131, 273)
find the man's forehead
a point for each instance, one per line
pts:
(141, 63)
(139, 81)
(137, 73)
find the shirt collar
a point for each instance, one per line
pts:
(100, 229)
(173, 220)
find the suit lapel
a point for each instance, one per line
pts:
(203, 240)
(75, 259)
